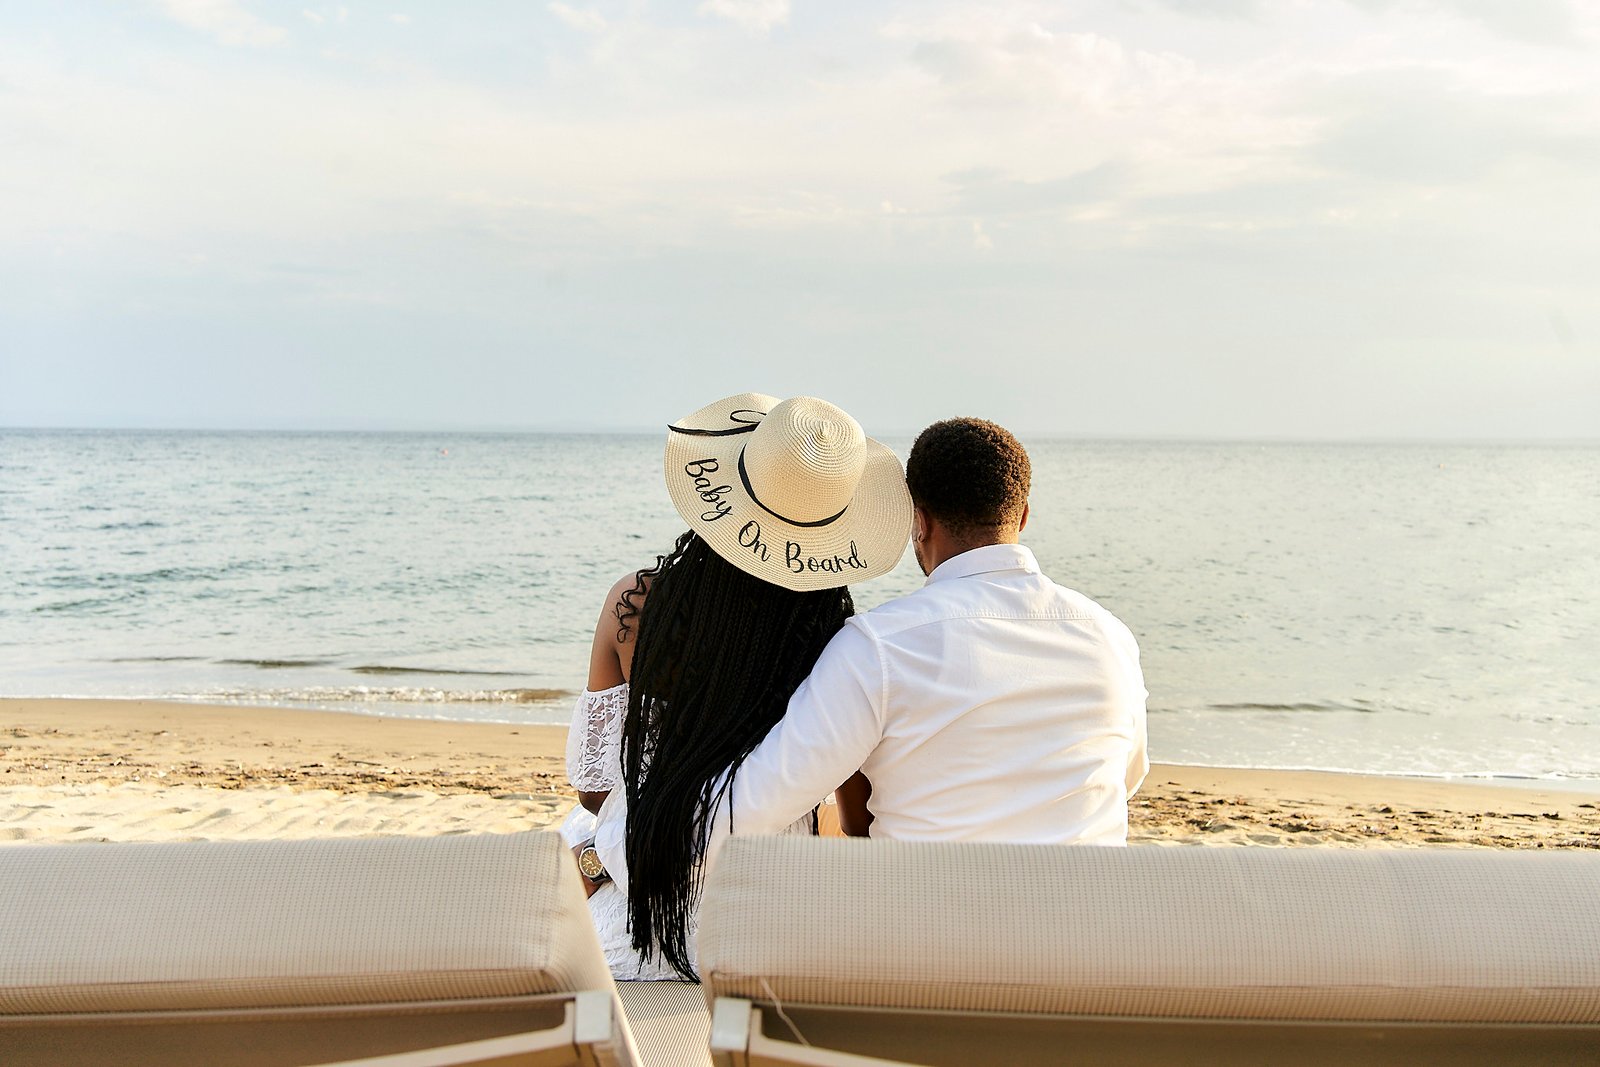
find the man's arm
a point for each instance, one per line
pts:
(833, 723)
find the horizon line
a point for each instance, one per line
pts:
(640, 431)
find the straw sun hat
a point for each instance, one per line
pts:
(790, 491)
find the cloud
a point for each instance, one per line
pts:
(224, 20)
(988, 193)
(756, 16)
(1541, 22)
(1529, 21)
(1561, 328)
(1072, 115)
(1005, 57)
(1249, 10)
(1420, 128)
(584, 21)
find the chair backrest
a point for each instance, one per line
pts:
(324, 935)
(1184, 934)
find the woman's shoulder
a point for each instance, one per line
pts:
(637, 582)
(622, 585)
(624, 602)
(612, 652)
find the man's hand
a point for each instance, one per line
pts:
(851, 799)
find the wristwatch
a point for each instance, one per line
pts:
(589, 863)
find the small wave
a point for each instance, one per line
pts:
(1330, 705)
(146, 525)
(362, 694)
(128, 583)
(1562, 780)
(79, 605)
(382, 669)
(172, 574)
(155, 659)
(276, 664)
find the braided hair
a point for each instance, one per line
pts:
(718, 654)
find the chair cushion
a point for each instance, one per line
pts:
(252, 924)
(1228, 933)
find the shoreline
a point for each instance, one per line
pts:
(395, 712)
(112, 769)
(1588, 786)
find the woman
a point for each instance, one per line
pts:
(694, 660)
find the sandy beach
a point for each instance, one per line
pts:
(110, 770)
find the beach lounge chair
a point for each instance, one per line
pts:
(427, 951)
(858, 952)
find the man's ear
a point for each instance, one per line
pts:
(1023, 523)
(919, 524)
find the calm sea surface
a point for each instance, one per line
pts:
(1413, 609)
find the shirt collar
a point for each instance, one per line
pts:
(984, 560)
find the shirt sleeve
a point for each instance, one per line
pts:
(833, 723)
(1137, 695)
(1139, 758)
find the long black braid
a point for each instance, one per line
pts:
(718, 654)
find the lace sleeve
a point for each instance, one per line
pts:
(594, 741)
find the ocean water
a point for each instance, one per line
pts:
(1403, 609)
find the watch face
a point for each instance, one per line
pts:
(589, 863)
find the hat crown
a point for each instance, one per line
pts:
(805, 460)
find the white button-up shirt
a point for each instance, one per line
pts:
(992, 704)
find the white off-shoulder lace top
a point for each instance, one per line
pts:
(594, 743)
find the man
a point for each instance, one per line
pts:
(991, 704)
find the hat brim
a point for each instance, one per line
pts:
(865, 541)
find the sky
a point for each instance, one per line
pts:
(1301, 219)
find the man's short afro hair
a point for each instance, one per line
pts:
(970, 474)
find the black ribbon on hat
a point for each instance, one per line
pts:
(693, 431)
(745, 478)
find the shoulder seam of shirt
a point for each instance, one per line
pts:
(883, 671)
(867, 630)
